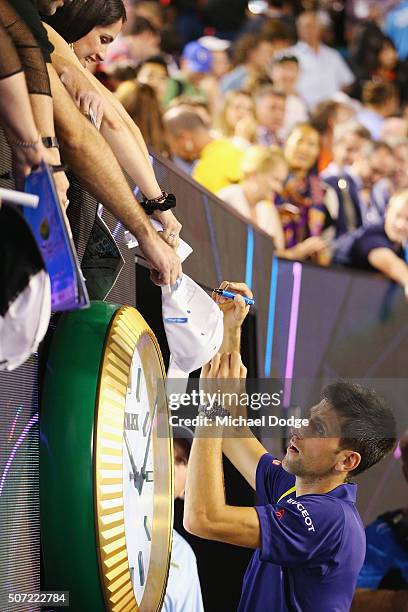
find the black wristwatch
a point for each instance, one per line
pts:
(50, 142)
(164, 202)
(212, 412)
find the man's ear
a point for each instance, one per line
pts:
(348, 461)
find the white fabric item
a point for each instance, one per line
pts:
(25, 322)
(183, 592)
(193, 324)
(212, 43)
(295, 112)
(322, 74)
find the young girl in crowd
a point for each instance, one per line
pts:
(264, 173)
(237, 120)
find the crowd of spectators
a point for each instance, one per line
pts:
(293, 113)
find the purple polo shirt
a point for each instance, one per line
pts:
(312, 547)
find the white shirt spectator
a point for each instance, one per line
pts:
(295, 112)
(183, 592)
(322, 74)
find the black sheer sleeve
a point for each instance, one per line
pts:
(9, 61)
(28, 51)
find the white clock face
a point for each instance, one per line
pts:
(138, 477)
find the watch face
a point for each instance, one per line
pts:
(138, 476)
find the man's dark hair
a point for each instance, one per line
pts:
(322, 114)
(139, 25)
(377, 94)
(380, 145)
(367, 424)
(77, 18)
(153, 59)
(268, 90)
(185, 445)
(282, 58)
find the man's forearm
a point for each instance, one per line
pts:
(232, 340)
(90, 157)
(380, 601)
(205, 495)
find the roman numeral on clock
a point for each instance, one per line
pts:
(148, 528)
(131, 421)
(141, 568)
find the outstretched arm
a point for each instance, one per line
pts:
(387, 262)
(206, 513)
(243, 449)
(90, 157)
(118, 129)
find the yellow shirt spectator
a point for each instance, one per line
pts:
(219, 165)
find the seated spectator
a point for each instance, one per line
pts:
(382, 585)
(323, 72)
(197, 105)
(374, 174)
(251, 55)
(284, 73)
(381, 246)
(307, 208)
(270, 106)
(396, 28)
(221, 62)
(324, 119)
(195, 65)
(142, 40)
(153, 71)
(264, 173)
(351, 142)
(237, 120)
(150, 10)
(141, 102)
(400, 150)
(117, 74)
(218, 162)
(380, 101)
(394, 127)
(382, 65)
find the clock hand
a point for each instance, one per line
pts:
(136, 474)
(146, 456)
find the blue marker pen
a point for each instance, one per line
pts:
(229, 294)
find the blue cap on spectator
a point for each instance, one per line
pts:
(198, 57)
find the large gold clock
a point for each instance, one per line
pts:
(106, 463)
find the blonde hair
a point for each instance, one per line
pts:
(398, 197)
(226, 130)
(261, 159)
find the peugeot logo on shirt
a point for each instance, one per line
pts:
(304, 513)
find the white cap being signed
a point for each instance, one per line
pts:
(193, 324)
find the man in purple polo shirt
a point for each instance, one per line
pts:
(308, 536)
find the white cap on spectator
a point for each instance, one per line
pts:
(25, 297)
(193, 324)
(212, 43)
